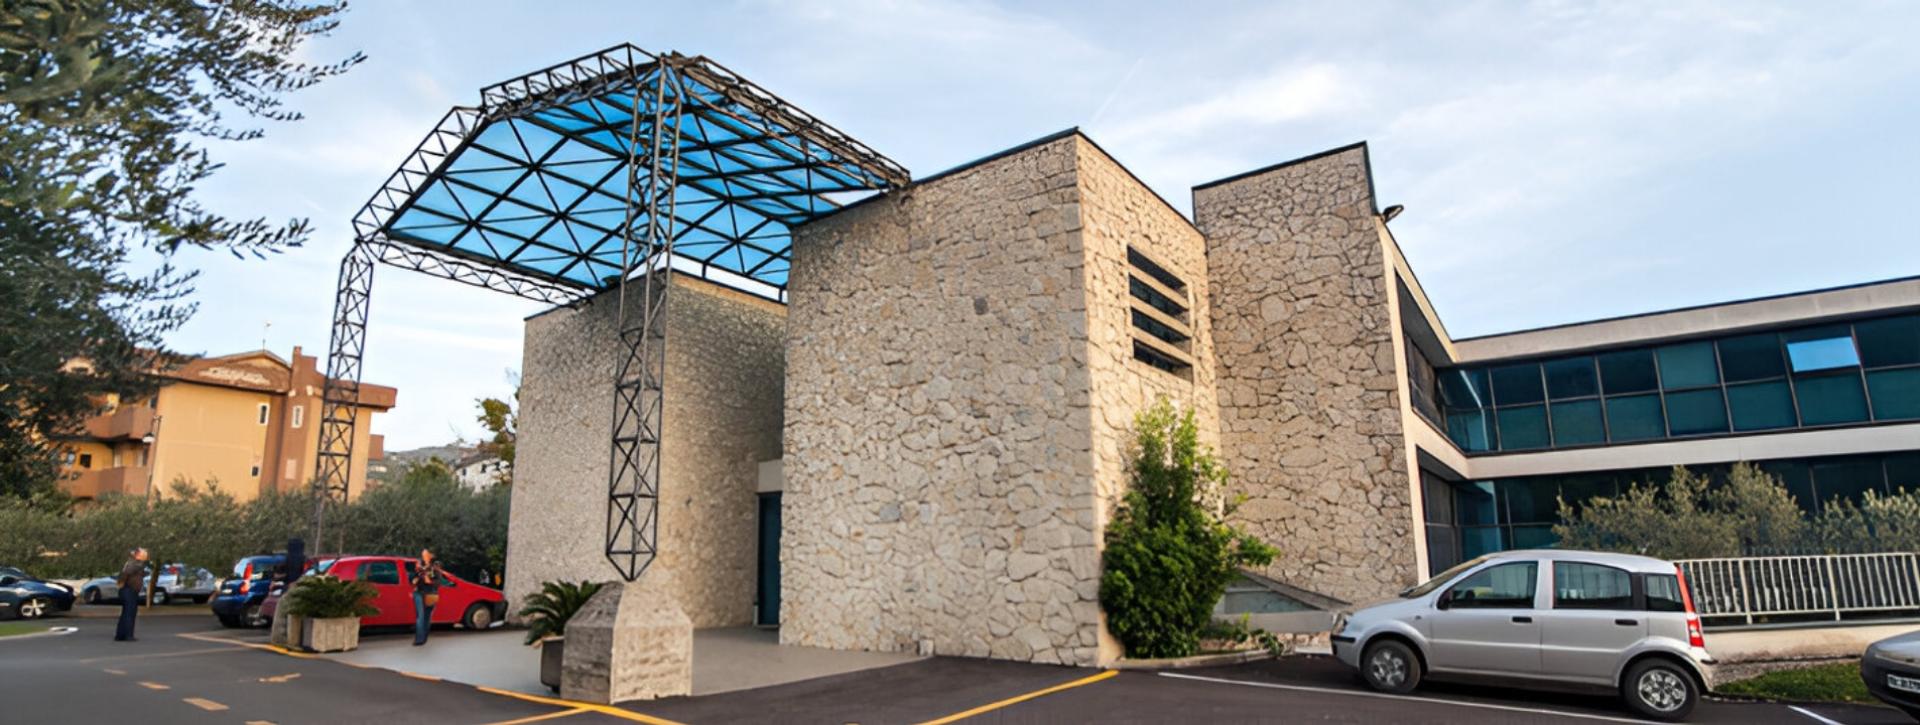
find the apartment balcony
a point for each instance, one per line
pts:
(95, 483)
(128, 423)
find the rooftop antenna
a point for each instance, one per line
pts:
(264, 326)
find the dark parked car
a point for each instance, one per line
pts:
(237, 600)
(24, 597)
(1891, 669)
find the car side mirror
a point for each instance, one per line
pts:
(1445, 600)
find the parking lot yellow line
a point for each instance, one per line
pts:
(112, 671)
(991, 706)
(538, 718)
(607, 710)
(154, 686)
(418, 676)
(204, 704)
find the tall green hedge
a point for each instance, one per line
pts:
(1170, 555)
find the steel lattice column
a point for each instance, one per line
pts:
(633, 479)
(340, 409)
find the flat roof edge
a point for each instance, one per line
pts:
(1691, 308)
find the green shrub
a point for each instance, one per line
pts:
(547, 611)
(1169, 556)
(1687, 518)
(324, 597)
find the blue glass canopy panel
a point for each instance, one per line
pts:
(553, 177)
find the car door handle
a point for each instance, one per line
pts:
(1627, 622)
(1523, 620)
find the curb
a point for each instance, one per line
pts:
(1182, 663)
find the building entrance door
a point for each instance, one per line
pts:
(767, 590)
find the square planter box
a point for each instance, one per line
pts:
(338, 634)
(553, 655)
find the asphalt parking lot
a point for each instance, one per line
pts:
(189, 670)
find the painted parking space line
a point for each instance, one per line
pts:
(159, 655)
(204, 704)
(154, 686)
(607, 710)
(112, 671)
(1817, 717)
(547, 716)
(1409, 698)
(991, 706)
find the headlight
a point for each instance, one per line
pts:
(1339, 622)
(1888, 656)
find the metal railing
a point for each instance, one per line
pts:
(1799, 587)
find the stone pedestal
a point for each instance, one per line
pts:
(630, 642)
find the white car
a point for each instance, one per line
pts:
(1549, 619)
(177, 581)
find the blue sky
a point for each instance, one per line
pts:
(1558, 161)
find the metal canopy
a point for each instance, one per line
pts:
(588, 177)
(537, 180)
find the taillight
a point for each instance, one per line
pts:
(1694, 637)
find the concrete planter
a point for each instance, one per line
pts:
(553, 654)
(338, 634)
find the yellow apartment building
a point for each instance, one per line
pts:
(247, 422)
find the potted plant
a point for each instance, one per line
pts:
(329, 610)
(546, 613)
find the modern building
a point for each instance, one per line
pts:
(247, 423)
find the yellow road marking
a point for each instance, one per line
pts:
(991, 706)
(259, 722)
(607, 710)
(255, 645)
(418, 676)
(204, 704)
(154, 686)
(112, 671)
(538, 718)
(281, 678)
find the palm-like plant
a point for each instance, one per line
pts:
(547, 611)
(324, 597)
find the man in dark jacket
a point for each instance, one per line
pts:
(132, 576)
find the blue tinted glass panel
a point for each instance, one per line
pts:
(1572, 378)
(1830, 399)
(1821, 348)
(1896, 393)
(1688, 366)
(1474, 504)
(1627, 371)
(1530, 500)
(1892, 341)
(1752, 357)
(1470, 430)
(1761, 406)
(1848, 479)
(1534, 537)
(1695, 412)
(1517, 385)
(1635, 418)
(1478, 540)
(1903, 472)
(1576, 489)
(1464, 388)
(1522, 428)
(1798, 478)
(1577, 423)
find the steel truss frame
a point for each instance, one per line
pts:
(780, 155)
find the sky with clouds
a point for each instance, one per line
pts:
(1558, 161)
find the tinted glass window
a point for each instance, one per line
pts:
(1439, 499)
(1753, 357)
(380, 572)
(1475, 503)
(1522, 428)
(1590, 586)
(1635, 418)
(1572, 378)
(1848, 479)
(1761, 406)
(1822, 348)
(1903, 471)
(1534, 537)
(1577, 423)
(1480, 540)
(1464, 388)
(1893, 341)
(1503, 586)
(1517, 384)
(1530, 501)
(1663, 593)
(1798, 478)
(1896, 393)
(1688, 366)
(1471, 430)
(1627, 371)
(1696, 411)
(1830, 399)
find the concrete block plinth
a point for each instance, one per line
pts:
(632, 641)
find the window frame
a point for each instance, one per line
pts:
(1533, 597)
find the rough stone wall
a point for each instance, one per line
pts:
(1119, 212)
(1309, 415)
(938, 458)
(722, 416)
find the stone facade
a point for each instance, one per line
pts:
(724, 377)
(1308, 373)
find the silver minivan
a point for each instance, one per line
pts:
(1547, 618)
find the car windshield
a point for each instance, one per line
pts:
(1429, 585)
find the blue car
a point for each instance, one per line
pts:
(237, 601)
(25, 597)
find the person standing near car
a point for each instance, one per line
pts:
(426, 594)
(132, 576)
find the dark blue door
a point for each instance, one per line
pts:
(767, 609)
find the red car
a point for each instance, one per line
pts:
(461, 602)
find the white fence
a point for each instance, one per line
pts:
(1860, 585)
